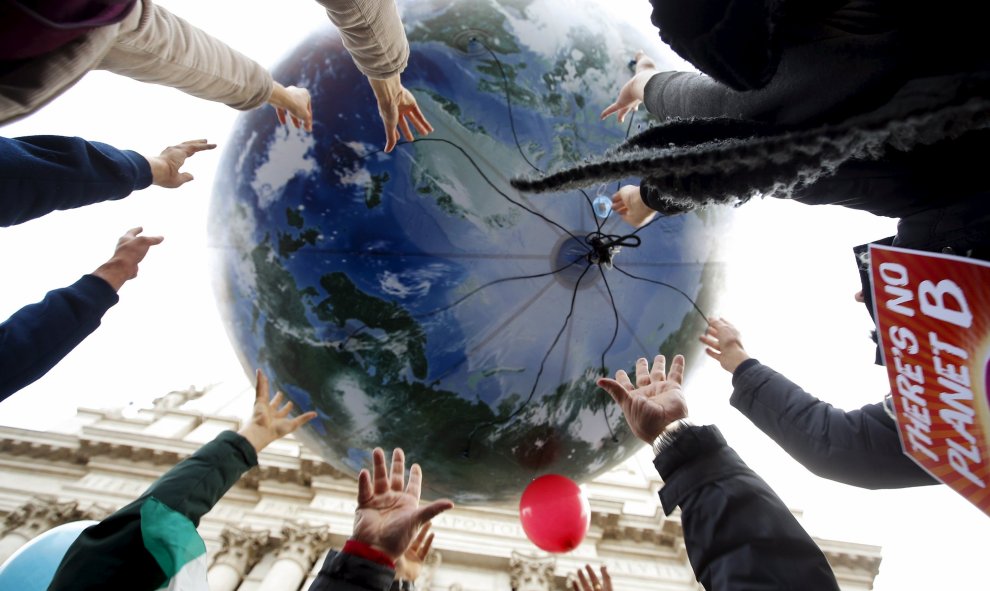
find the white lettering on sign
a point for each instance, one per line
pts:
(895, 277)
(955, 393)
(945, 302)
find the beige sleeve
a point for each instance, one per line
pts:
(372, 33)
(162, 48)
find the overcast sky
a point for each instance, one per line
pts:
(791, 278)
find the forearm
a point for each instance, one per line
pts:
(165, 49)
(737, 532)
(688, 95)
(38, 336)
(195, 484)
(372, 33)
(859, 447)
(41, 174)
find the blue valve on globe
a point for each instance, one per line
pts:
(602, 205)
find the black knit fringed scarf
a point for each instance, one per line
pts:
(694, 163)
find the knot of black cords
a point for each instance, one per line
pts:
(603, 247)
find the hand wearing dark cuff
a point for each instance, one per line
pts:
(741, 369)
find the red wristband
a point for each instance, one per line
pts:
(356, 548)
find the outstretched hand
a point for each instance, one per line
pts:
(632, 92)
(409, 566)
(270, 421)
(123, 265)
(293, 103)
(724, 344)
(656, 400)
(398, 108)
(591, 581)
(628, 203)
(165, 167)
(388, 513)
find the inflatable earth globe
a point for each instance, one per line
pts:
(414, 299)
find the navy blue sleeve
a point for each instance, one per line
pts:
(737, 532)
(43, 173)
(38, 336)
(859, 447)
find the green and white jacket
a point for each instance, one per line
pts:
(152, 543)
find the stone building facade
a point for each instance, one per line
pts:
(273, 529)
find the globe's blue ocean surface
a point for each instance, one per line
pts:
(414, 299)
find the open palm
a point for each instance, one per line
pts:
(632, 92)
(655, 401)
(388, 513)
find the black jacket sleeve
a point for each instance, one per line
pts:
(738, 533)
(39, 335)
(345, 572)
(112, 554)
(39, 174)
(859, 447)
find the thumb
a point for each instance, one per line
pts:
(614, 389)
(301, 420)
(425, 514)
(185, 177)
(609, 110)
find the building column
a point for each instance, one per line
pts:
(32, 518)
(531, 573)
(240, 550)
(301, 544)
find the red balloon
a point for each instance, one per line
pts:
(555, 513)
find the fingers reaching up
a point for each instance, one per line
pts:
(724, 344)
(398, 108)
(270, 419)
(632, 92)
(588, 580)
(655, 401)
(389, 515)
(166, 167)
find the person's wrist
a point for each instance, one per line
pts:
(642, 79)
(256, 436)
(667, 437)
(159, 169)
(368, 550)
(735, 359)
(277, 98)
(113, 273)
(385, 88)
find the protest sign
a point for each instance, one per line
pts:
(933, 324)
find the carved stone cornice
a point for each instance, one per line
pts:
(53, 451)
(242, 548)
(90, 449)
(668, 535)
(303, 543)
(531, 573)
(40, 514)
(855, 562)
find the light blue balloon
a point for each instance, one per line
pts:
(33, 566)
